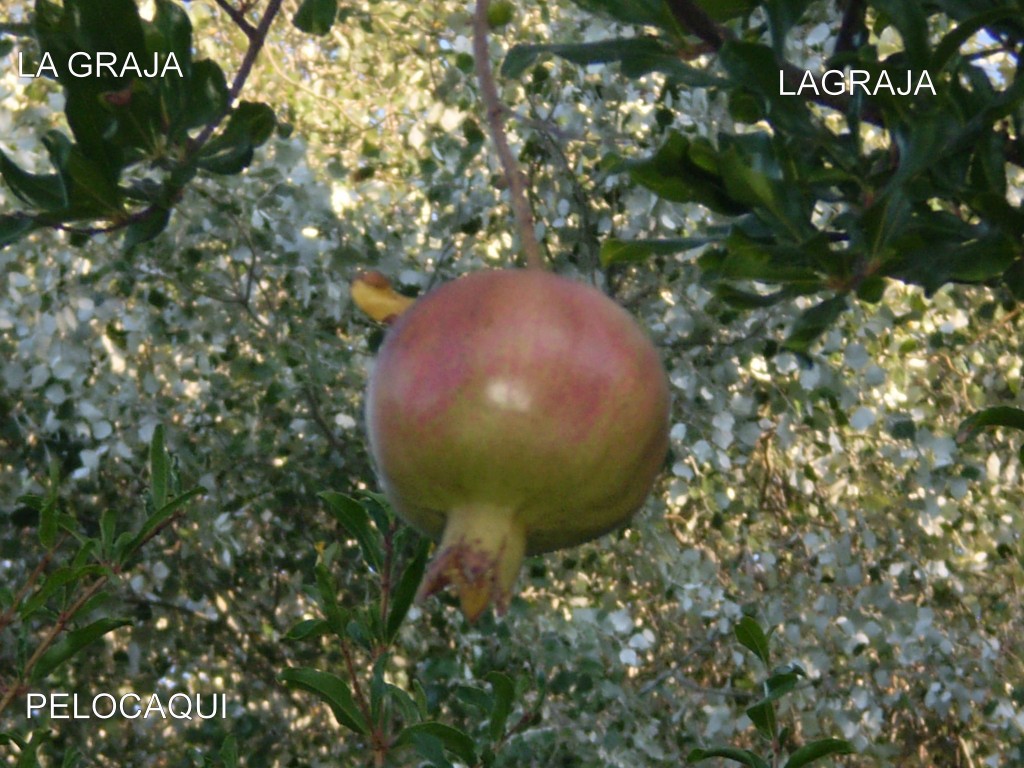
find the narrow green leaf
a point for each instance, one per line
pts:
(430, 748)
(159, 468)
(963, 31)
(615, 251)
(48, 523)
(686, 170)
(404, 703)
(307, 628)
(747, 299)
(812, 323)
(249, 126)
(750, 635)
(911, 21)
(355, 520)
(782, 682)
(108, 527)
(997, 416)
(332, 690)
(161, 516)
(60, 578)
(405, 590)
(637, 56)
(378, 687)
(229, 752)
(454, 740)
(43, 191)
(741, 756)
(762, 715)
(72, 643)
(316, 17)
(816, 750)
(14, 226)
(337, 618)
(146, 228)
(783, 15)
(504, 693)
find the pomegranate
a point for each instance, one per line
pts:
(514, 412)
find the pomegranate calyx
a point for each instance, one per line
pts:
(480, 553)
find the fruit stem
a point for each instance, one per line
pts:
(494, 109)
(480, 554)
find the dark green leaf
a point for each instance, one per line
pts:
(207, 97)
(637, 56)
(159, 468)
(783, 15)
(229, 752)
(782, 681)
(249, 126)
(685, 171)
(162, 515)
(910, 20)
(316, 16)
(405, 590)
(15, 226)
(504, 693)
(48, 523)
(355, 520)
(615, 251)
(454, 740)
(816, 750)
(752, 637)
(332, 690)
(762, 715)
(997, 416)
(404, 703)
(337, 618)
(747, 299)
(741, 756)
(812, 323)
(306, 628)
(146, 227)
(950, 44)
(72, 643)
(430, 748)
(108, 526)
(44, 191)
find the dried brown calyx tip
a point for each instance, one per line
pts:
(480, 554)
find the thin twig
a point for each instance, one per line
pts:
(492, 105)
(256, 41)
(238, 17)
(69, 613)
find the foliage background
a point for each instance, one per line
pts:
(823, 493)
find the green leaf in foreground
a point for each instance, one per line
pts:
(615, 251)
(332, 690)
(741, 756)
(72, 643)
(999, 416)
(454, 740)
(316, 17)
(816, 750)
(753, 638)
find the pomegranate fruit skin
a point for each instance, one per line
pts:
(514, 412)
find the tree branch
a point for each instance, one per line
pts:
(852, 26)
(256, 41)
(513, 174)
(238, 17)
(692, 17)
